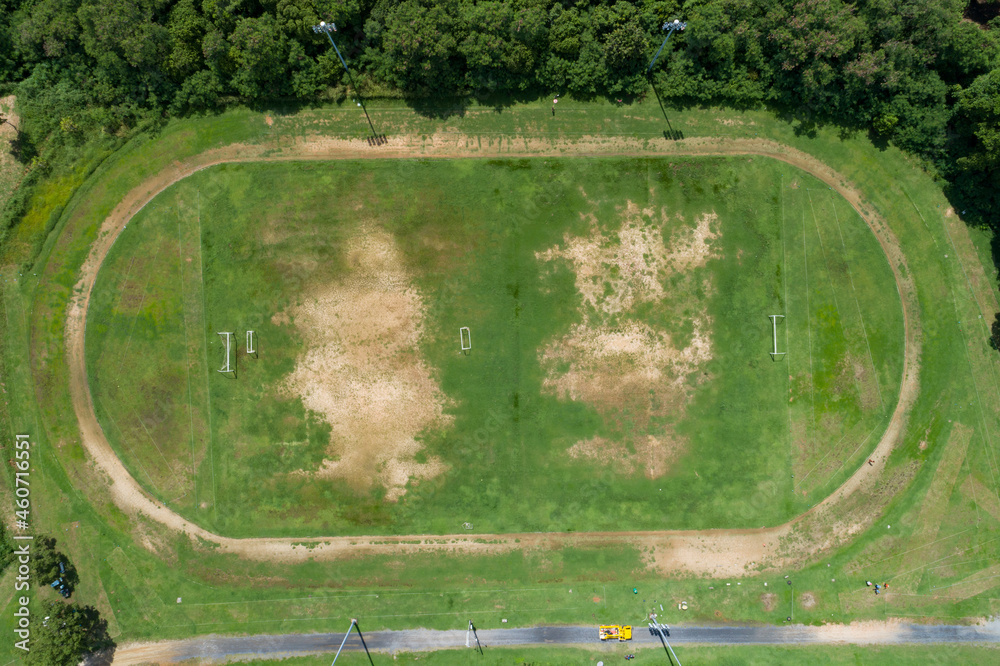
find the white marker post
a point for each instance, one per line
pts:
(774, 331)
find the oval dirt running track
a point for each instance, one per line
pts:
(719, 552)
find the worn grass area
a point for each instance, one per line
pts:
(618, 311)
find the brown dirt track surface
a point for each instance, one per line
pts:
(707, 553)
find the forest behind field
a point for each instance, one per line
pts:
(921, 74)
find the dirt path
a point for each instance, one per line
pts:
(707, 553)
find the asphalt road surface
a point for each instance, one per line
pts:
(414, 640)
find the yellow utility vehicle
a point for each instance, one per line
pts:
(613, 631)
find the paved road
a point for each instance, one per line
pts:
(276, 646)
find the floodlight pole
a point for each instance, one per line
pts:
(670, 27)
(336, 656)
(661, 631)
(354, 625)
(327, 28)
(472, 630)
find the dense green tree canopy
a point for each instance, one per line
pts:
(914, 72)
(68, 633)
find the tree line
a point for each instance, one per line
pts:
(923, 74)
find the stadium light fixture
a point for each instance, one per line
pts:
(670, 27)
(326, 29)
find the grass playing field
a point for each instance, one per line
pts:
(619, 376)
(937, 493)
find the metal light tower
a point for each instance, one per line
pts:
(326, 29)
(663, 631)
(670, 27)
(354, 626)
(471, 632)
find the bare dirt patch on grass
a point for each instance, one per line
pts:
(615, 367)
(619, 364)
(650, 455)
(616, 271)
(769, 601)
(362, 372)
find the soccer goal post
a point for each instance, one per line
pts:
(227, 338)
(774, 334)
(465, 338)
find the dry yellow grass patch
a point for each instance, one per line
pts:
(362, 371)
(618, 364)
(616, 272)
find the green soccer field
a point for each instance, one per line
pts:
(619, 376)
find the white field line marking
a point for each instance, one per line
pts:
(990, 454)
(784, 296)
(850, 274)
(805, 258)
(344, 617)
(940, 559)
(361, 596)
(931, 543)
(924, 566)
(155, 445)
(958, 564)
(799, 484)
(125, 444)
(853, 453)
(187, 353)
(142, 300)
(208, 391)
(833, 288)
(962, 582)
